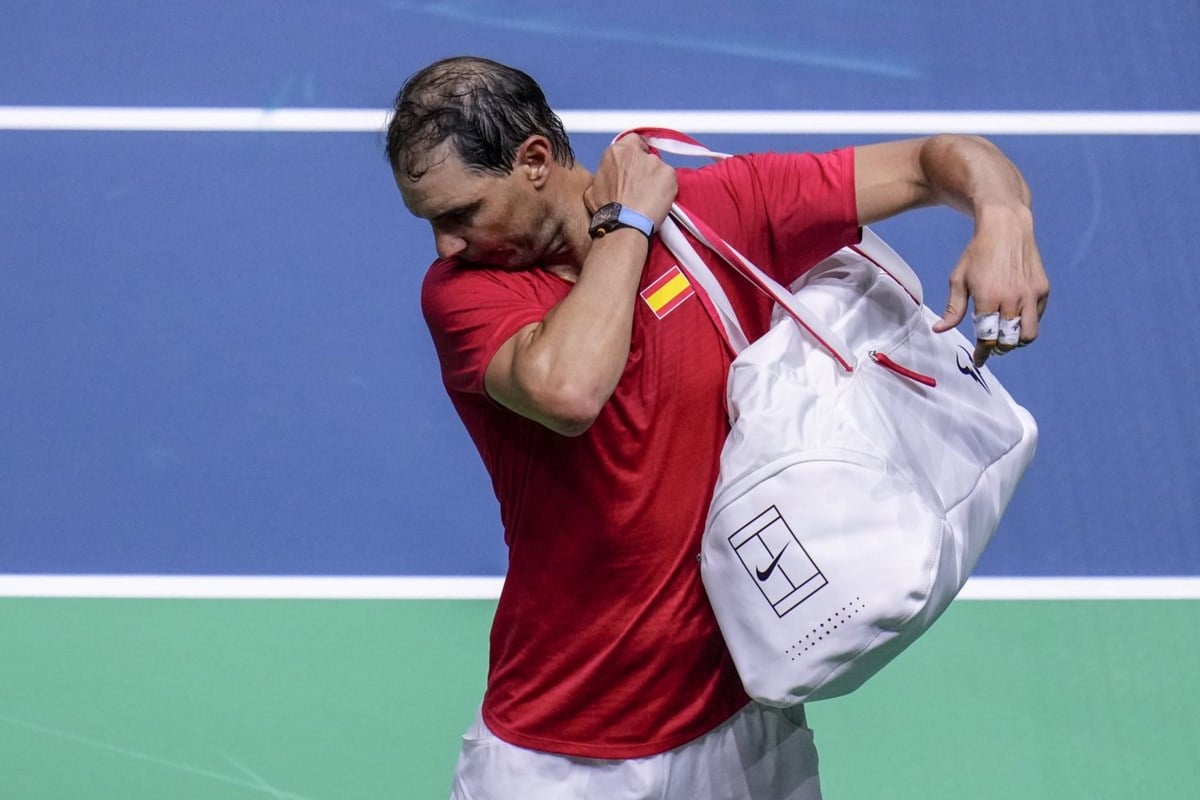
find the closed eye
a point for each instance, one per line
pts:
(459, 216)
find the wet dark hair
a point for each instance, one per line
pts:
(483, 108)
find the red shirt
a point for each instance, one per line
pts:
(604, 644)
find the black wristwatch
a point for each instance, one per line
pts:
(611, 216)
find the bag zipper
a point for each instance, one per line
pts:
(883, 361)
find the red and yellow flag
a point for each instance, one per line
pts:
(667, 292)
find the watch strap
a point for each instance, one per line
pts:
(625, 218)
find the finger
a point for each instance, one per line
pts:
(956, 307)
(987, 332)
(987, 326)
(1009, 334)
(982, 351)
(1031, 320)
(1029, 327)
(635, 142)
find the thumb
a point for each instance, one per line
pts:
(956, 309)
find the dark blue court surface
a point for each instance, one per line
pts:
(778, 54)
(211, 354)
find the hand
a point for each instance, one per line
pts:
(1001, 270)
(631, 175)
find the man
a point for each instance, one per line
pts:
(597, 408)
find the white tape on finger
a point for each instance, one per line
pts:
(1010, 332)
(987, 326)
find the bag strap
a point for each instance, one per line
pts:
(698, 273)
(681, 144)
(870, 247)
(833, 343)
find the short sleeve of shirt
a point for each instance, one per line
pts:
(472, 312)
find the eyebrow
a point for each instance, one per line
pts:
(459, 212)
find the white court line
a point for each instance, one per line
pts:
(351, 120)
(488, 588)
(1108, 588)
(283, 587)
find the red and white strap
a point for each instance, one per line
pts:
(718, 305)
(670, 141)
(805, 318)
(871, 247)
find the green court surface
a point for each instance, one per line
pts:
(359, 699)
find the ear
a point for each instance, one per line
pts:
(535, 159)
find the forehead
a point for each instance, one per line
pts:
(445, 185)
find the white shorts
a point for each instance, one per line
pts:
(757, 754)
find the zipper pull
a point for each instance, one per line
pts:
(883, 361)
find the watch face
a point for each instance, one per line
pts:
(605, 220)
(606, 214)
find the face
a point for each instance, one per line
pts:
(480, 218)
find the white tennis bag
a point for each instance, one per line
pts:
(868, 466)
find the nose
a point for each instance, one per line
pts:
(448, 246)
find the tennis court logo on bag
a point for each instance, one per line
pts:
(776, 561)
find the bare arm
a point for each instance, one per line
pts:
(1000, 269)
(561, 371)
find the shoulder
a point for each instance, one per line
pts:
(771, 168)
(449, 284)
(440, 286)
(788, 189)
(471, 311)
(445, 274)
(459, 297)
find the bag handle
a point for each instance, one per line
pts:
(833, 343)
(675, 142)
(671, 141)
(698, 272)
(871, 247)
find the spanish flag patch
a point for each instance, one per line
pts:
(667, 292)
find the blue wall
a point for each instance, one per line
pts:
(211, 353)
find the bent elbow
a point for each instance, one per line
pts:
(571, 429)
(567, 401)
(569, 411)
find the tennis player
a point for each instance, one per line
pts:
(591, 380)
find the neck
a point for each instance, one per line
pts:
(572, 216)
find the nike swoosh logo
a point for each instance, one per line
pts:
(969, 369)
(965, 369)
(763, 574)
